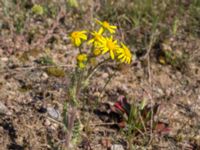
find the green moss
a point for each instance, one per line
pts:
(55, 71)
(24, 57)
(73, 3)
(46, 60)
(38, 9)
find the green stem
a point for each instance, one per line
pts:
(91, 72)
(73, 88)
(79, 82)
(108, 81)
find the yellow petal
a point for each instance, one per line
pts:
(119, 50)
(128, 60)
(120, 56)
(123, 59)
(83, 36)
(104, 51)
(113, 27)
(101, 30)
(111, 30)
(112, 55)
(90, 41)
(77, 42)
(99, 22)
(84, 31)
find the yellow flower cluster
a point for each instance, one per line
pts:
(82, 60)
(102, 42)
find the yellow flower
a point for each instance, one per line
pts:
(109, 45)
(81, 65)
(124, 54)
(77, 37)
(82, 58)
(97, 37)
(107, 26)
(97, 51)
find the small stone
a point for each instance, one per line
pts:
(117, 147)
(44, 76)
(53, 113)
(52, 127)
(3, 109)
(97, 94)
(47, 123)
(105, 75)
(160, 91)
(55, 126)
(4, 59)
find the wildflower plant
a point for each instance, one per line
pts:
(95, 48)
(99, 43)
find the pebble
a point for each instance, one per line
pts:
(53, 113)
(97, 94)
(105, 75)
(117, 147)
(160, 91)
(47, 123)
(3, 109)
(4, 59)
(44, 76)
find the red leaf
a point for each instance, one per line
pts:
(123, 105)
(119, 106)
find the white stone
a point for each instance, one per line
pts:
(117, 147)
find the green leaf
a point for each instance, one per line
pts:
(73, 3)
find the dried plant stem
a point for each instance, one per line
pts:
(79, 84)
(153, 39)
(21, 68)
(71, 117)
(143, 124)
(107, 82)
